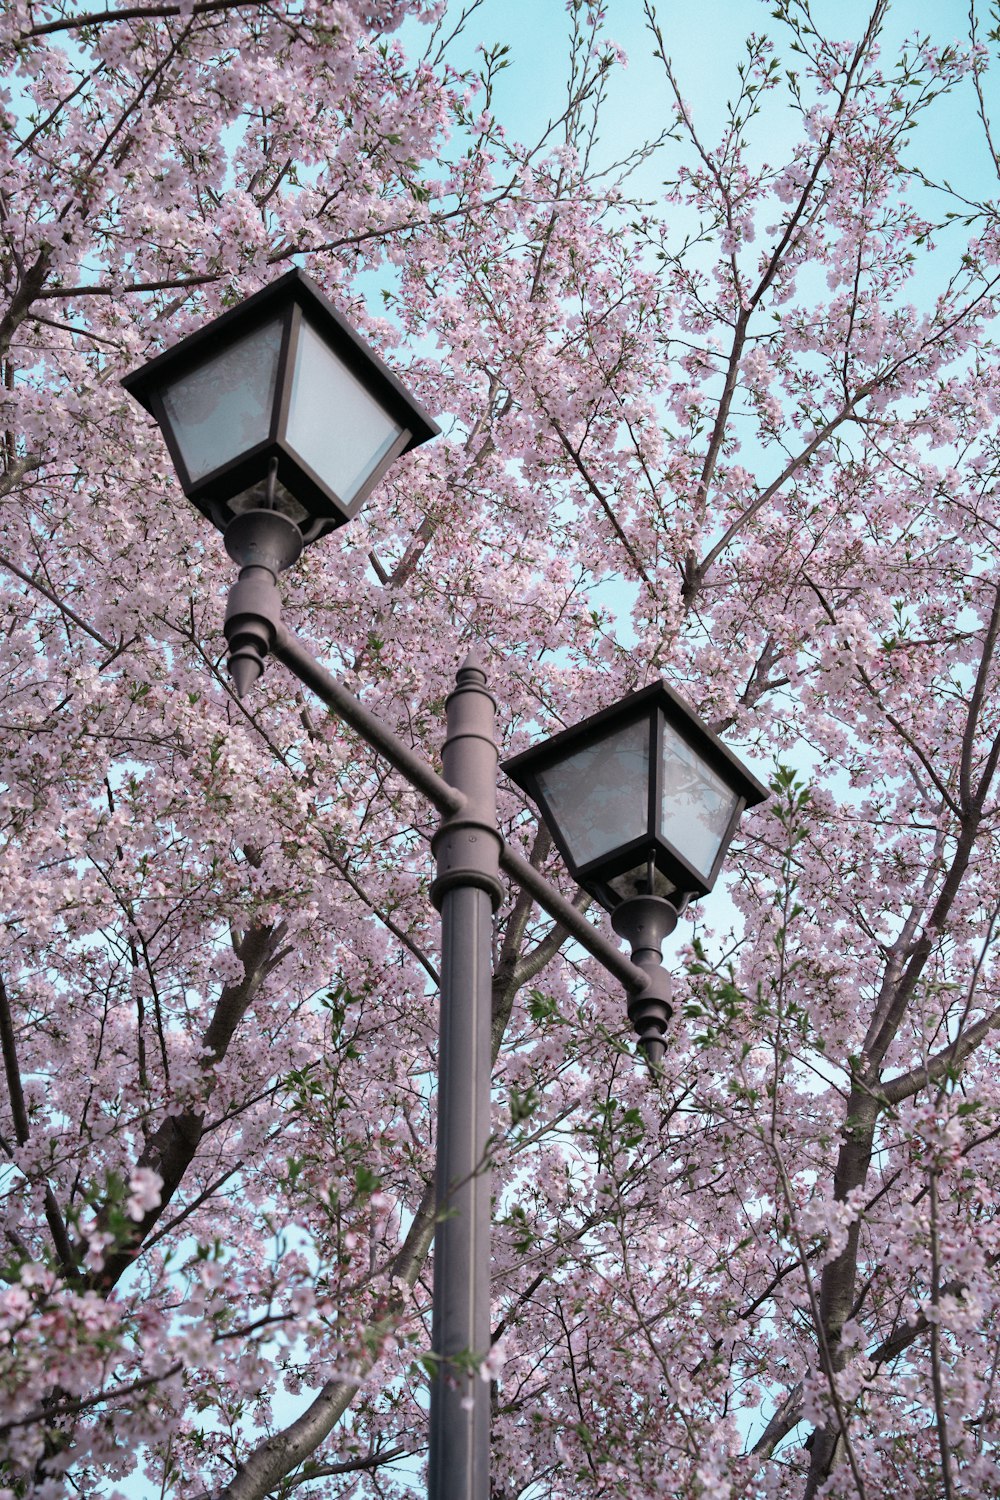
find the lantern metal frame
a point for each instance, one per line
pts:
(294, 299)
(658, 706)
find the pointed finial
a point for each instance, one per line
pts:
(245, 667)
(472, 670)
(654, 1048)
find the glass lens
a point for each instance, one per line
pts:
(223, 407)
(334, 425)
(600, 795)
(697, 804)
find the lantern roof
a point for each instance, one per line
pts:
(296, 287)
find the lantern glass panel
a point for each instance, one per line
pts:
(334, 425)
(697, 805)
(223, 406)
(600, 795)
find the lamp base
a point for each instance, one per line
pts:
(644, 922)
(264, 543)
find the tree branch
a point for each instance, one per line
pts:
(139, 13)
(170, 1149)
(938, 1067)
(53, 1215)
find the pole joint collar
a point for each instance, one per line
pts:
(468, 843)
(467, 853)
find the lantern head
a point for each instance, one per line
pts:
(278, 403)
(641, 798)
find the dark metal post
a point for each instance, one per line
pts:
(263, 543)
(644, 922)
(466, 892)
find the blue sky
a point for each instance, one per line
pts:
(705, 42)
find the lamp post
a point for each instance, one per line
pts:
(280, 420)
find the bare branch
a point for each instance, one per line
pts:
(171, 1147)
(60, 604)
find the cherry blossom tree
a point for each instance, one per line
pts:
(723, 410)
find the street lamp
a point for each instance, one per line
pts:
(280, 420)
(642, 800)
(280, 403)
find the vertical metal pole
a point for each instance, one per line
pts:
(466, 892)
